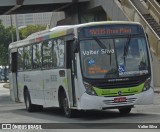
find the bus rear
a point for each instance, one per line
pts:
(115, 67)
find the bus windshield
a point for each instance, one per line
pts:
(114, 57)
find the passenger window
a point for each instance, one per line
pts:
(58, 53)
(47, 54)
(28, 57)
(37, 56)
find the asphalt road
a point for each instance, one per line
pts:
(11, 112)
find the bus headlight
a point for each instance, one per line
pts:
(89, 89)
(147, 85)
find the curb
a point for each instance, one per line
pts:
(157, 91)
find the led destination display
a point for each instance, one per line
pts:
(108, 30)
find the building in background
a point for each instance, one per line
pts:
(56, 17)
(27, 19)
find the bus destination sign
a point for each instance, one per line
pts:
(109, 30)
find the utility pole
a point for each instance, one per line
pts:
(17, 31)
(11, 28)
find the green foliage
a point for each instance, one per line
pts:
(3, 55)
(25, 32)
(5, 40)
(8, 35)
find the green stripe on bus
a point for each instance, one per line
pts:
(54, 35)
(119, 91)
(65, 82)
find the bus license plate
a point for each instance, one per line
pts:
(121, 99)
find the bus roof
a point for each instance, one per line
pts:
(60, 31)
(106, 22)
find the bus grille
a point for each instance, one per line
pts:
(128, 101)
(118, 84)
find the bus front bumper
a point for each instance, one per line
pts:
(90, 102)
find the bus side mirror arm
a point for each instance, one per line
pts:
(75, 46)
(147, 35)
(148, 40)
(149, 46)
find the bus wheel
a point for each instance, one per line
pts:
(67, 111)
(27, 99)
(125, 110)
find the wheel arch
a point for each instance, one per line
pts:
(24, 89)
(61, 90)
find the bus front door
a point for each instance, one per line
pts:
(71, 64)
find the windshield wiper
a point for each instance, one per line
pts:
(99, 43)
(126, 47)
(103, 46)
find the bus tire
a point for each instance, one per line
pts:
(125, 110)
(29, 106)
(65, 106)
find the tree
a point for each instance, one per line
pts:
(5, 40)
(25, 32)
(3, 55)
(8, 35)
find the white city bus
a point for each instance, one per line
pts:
(92, 66)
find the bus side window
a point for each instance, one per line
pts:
(37, 56)
(47, 54)
(58, 53)
(28, 57)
